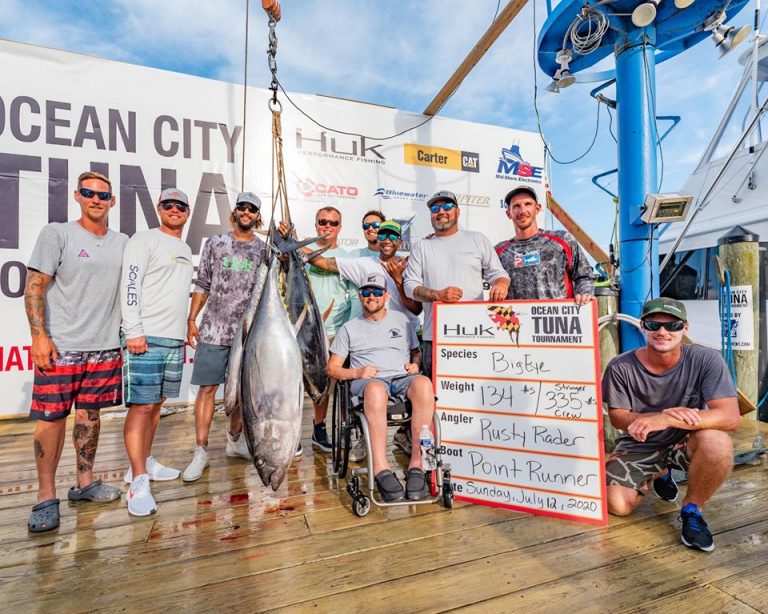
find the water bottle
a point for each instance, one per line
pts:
(427, 445)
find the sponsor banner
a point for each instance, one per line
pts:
(742, 328)
(439, 157)
(520, 406)
(189, 133)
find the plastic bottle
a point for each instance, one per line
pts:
(427, 444)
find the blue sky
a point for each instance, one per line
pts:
(397, 54)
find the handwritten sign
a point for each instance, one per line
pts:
(519, 402)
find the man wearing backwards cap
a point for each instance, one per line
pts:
(450, 266)
(542, 263)
(675, 403)
(384, 361)
(226, 275)
(154, 293)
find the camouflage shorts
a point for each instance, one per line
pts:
(636, 469)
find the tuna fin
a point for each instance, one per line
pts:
(328, 311)
(308, 256)
(300, 320)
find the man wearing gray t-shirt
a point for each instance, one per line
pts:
(71, 300)
(676, 403)
(450, 266)
(383, 355)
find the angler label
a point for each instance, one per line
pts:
(518, 389)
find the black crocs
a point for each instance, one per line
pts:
(415, 485)
(44, 516)
(389, 486)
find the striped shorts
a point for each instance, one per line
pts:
(89, 380)
(155, 375)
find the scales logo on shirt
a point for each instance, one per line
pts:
(83, 254)
(529, 259)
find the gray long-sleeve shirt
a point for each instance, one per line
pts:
(463, 260)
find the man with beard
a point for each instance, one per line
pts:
(225, 279)
(542, 263)
(384, 362)
(450, 266)
(156, 277)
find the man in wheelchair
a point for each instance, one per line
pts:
(384, 362)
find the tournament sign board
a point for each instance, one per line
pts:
(519, 400)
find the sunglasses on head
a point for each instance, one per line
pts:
(377, 292)
(325, 222)
(444, 206)
(170, 204)
(384, 236)
(86, 193)
(673, 327)
(367, 225)
(249, 207)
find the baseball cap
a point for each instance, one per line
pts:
(174, 194)
(523, 189)
(374, 280)
(441, 196)
(392, 226)
(248, 197)
(664, 305)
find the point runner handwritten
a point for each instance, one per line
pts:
(518, 396)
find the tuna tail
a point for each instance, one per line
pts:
(309, 256)
(284, 245)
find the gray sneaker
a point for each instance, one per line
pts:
(237, 446)
(194, 470)
(139, 497)
(358, 452)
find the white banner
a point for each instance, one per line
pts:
(518, 395)
(742, 328)
(63, 113)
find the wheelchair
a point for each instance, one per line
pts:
(347, 418)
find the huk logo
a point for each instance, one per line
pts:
(309, 188)
(506, 319)
(467, 331)
(341, 147)
(451, 159)
(83, 254)
(512, 166)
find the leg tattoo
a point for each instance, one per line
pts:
(39, 452)
(86, 438)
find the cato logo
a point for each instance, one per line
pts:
(512, 165)
(439, 157)
(309, 188)
(340, 147)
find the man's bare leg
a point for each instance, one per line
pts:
(711, 454)
(85, 436)
(204, 408)
(423, 402)
(138, 432)
(49, 442)
(375, 405)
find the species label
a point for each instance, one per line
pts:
(518, 397)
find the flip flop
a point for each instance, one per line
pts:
(44, 516)
(95, 491)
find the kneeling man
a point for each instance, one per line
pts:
(384, 360)
(658, 395)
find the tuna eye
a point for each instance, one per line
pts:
(259, 462)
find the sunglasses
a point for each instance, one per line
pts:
(377, 292)
(672, 327)
(86, 193)
(367, 225)
(384, 236)
(325, 222)
(443, 206)
(249, 207)
(170, 204)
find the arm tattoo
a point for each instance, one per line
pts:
(425, 295)
(34, 301)
(39, 452)
(86, 437)
(325, 264)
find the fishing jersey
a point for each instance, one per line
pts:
(548, 265)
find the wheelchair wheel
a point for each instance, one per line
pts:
(340, 431)
(361, 506)
(447, 492)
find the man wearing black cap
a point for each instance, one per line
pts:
(675, 403)
(154, 293)
(225, 279)
(384, 362)
(451, 266)
(542, 263)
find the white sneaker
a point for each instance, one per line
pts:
(157, 472)
(358, 452)
(194, 470)
(237, 447)
(139, 497)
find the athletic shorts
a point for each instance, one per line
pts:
(155, 375)
(426, 358)
(211, 361)
(636, 469)
(89, 380)
(397, 387)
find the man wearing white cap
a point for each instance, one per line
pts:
(154, 292)
(225, 279)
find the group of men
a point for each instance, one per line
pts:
(92, 292)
